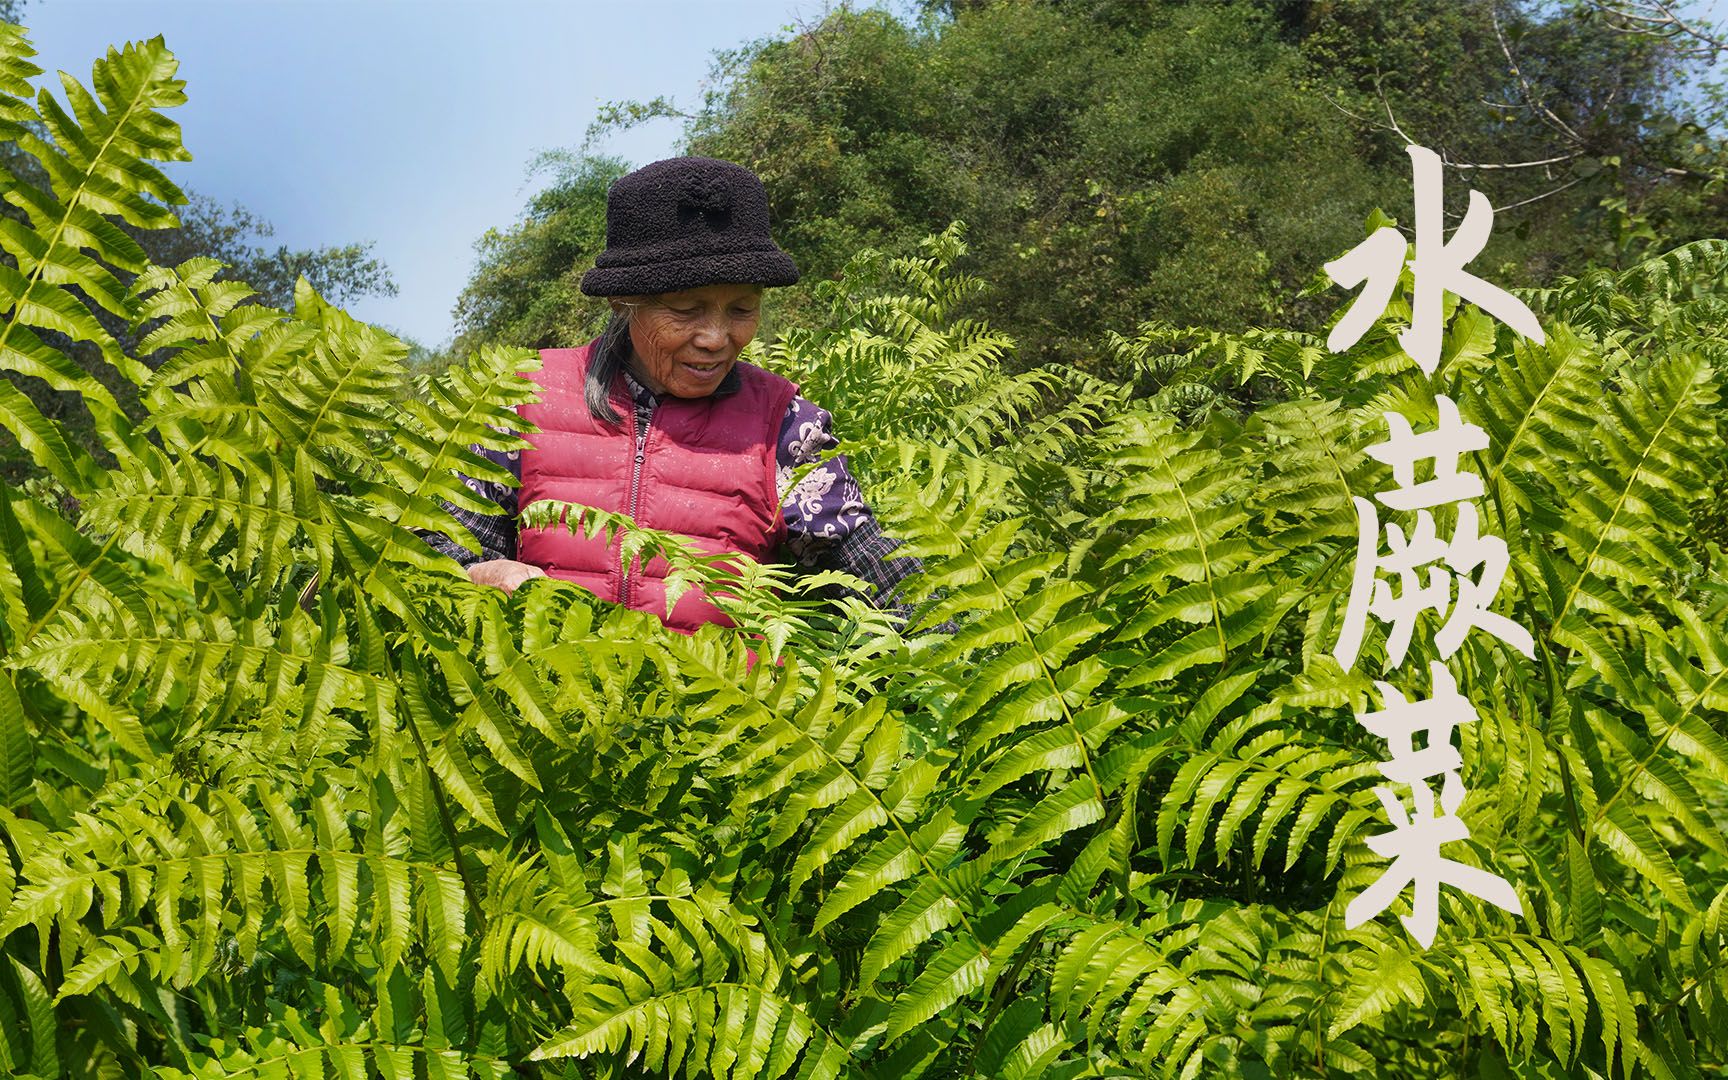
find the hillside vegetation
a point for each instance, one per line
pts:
(283, 794)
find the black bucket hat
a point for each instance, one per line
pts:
(683, 223)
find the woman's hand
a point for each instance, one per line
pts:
(506, 574)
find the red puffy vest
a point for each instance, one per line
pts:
(704, 467)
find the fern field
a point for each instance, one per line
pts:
(285, 795)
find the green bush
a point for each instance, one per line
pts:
(285, 795)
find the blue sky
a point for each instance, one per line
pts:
(409, 123)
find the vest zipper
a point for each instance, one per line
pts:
(635, 487)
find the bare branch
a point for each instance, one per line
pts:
(1538, 198)
(1480, 166)
(1330, 100)
(1673, 170)
(1458, 215)
(1390, 118)
(1658, 19)
(1529, 92)
(1486, 165)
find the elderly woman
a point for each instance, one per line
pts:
(657, 418)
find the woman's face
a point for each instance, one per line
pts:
(686, 342)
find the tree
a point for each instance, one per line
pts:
(205, 228)
(1184, 163)
(342, 273)
(525, 286)
(1580, 135)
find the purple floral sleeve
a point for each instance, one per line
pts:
(825, 505)
(828, 524)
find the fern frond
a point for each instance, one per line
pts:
(1186, 502)
(97, 160)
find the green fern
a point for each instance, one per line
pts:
(283, 793)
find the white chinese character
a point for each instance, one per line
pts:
(1435, 717)
(1414, 843)
(1448, 442)
(1464, 553)
(1437, 268)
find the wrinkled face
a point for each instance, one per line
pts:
(686, 342)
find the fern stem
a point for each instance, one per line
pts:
(1000, 997)
(78, 579)
(1320, 980)
(449, 822)
(1680, 402)
(1205, 562)
(1551, 676)
(1550, 671)
(893, 820)
(1031, 642)
(1661, 744)
(71, 205)
(1686, 990)
(296, 1055)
